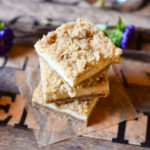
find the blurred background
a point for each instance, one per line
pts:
(32, 18)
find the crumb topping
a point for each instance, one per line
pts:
(78, 46)
(54, 87)
(81, 107)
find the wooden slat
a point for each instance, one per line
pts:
(14, 139)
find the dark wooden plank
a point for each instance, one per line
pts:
(14, 139)
(143, 56)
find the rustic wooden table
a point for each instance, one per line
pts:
(17, 139)
(36, 12)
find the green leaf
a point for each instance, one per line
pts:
(115, 36)
(119, 22)
(47, 22)
(120, 25)
(101, 27)
(2, 26)
(99, 3)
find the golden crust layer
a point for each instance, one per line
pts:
(55, 89)
(78, 50)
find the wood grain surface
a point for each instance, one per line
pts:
(16, 139)
(65, 10)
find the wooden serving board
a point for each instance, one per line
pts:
(133, 72)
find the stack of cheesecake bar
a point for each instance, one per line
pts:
(74, 62)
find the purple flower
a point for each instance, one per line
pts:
(127, 36)
(6, 40)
